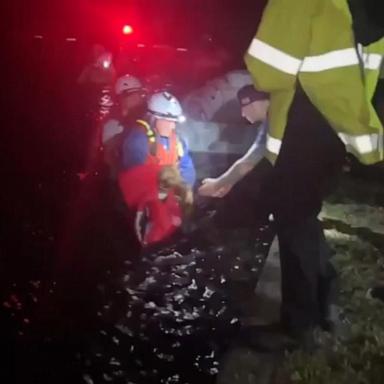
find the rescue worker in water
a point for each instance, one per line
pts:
(130, 105)
(157, 174)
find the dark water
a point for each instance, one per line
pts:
(80, 303)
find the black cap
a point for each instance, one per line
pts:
(248, 94)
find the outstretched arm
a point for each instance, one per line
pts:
(220, 186)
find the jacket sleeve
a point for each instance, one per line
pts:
(276, 53)
(186, 166)
(134, 149)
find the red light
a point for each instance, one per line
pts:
(127, 30)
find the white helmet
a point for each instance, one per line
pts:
(104, 60)
(127, 83)
(163, 105)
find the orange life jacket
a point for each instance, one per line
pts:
(157, 153)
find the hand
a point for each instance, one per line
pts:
(214, 188)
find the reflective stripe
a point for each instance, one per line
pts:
(330, 60)
(363, 144)
(338, 59)
(273, 145)
(148, 130)
(372, 60)
(180, 149)
(274, 57)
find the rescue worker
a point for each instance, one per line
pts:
(245, 209)
(130, 105)
(101, 70)
(158, 173)
(156, 140)
(254, 107)
(320, 67)
(96, 80)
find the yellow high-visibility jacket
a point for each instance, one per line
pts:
(311, 42)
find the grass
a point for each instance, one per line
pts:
(356, 232)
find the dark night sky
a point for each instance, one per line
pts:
(228, 20)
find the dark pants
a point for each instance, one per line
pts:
(306, 170)
(246, 205)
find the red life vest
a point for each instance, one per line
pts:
(158, 154)
(155, 218)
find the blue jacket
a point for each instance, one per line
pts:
(135, 151)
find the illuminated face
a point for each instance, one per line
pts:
(165, 127)
(255, 111)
